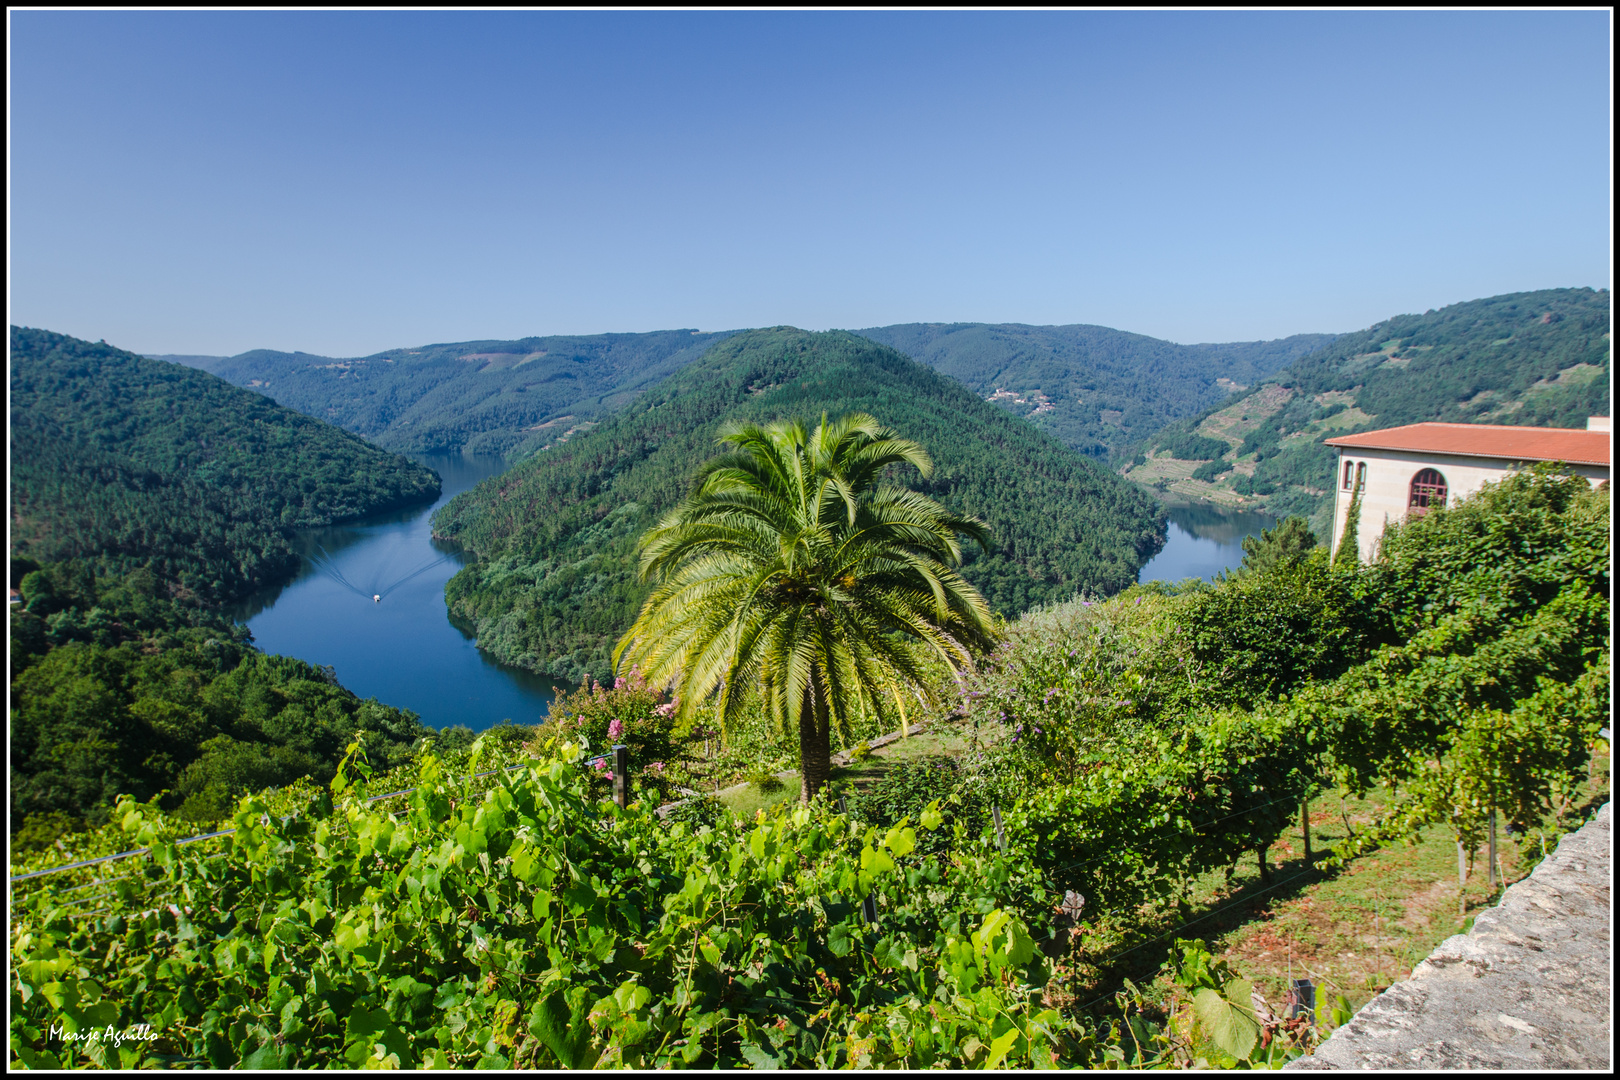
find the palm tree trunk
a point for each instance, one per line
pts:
(815, 748)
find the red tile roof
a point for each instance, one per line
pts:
(1487, 440)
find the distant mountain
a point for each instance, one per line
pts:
(555, 583)
(506, 397)
(1097, 390)
(1535, 358)
(118, 457)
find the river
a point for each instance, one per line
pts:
(1204, 539)
(403, 651)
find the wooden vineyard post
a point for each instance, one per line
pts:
(1492, 852)
(621, 776)
(1378, 953)
(1462, 880)
(1305, 827)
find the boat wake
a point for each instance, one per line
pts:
(377, 589)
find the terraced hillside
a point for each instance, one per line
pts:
(1540, 359)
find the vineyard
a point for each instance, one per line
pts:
(964, 913)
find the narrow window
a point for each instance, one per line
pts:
(1428, 490)
(1361, 474)
(1349, 468)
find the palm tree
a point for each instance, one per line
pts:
(790, 568)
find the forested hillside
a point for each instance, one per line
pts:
(118, 690)
(1539, 359)
(143, 496)
(1095, 389)
(556, 583)
(482, 397)
(117, 457)
(1098, 390)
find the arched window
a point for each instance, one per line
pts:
(1428, 490)
(1361, 474)
(1349, 468)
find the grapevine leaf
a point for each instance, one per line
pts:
(267, 1056)
(1229, 1026)
(561, 1024)
(999, 1046)
(759, 1058)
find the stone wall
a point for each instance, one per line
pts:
(1526, 988)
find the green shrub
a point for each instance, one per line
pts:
(1197, 448)
(910, 787)
(765, 780)
(1289, 541)
(1264, 633)
(700, 811)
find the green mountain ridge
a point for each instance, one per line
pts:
(486, 397)
(1539, 359)
(1099, 391)
(555, 583)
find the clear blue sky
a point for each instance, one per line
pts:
(343, 183)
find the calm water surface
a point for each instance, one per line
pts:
(1204, 539)
(403, 651)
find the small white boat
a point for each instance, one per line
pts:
(376, 598)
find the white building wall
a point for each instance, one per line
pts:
(1389, 485)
